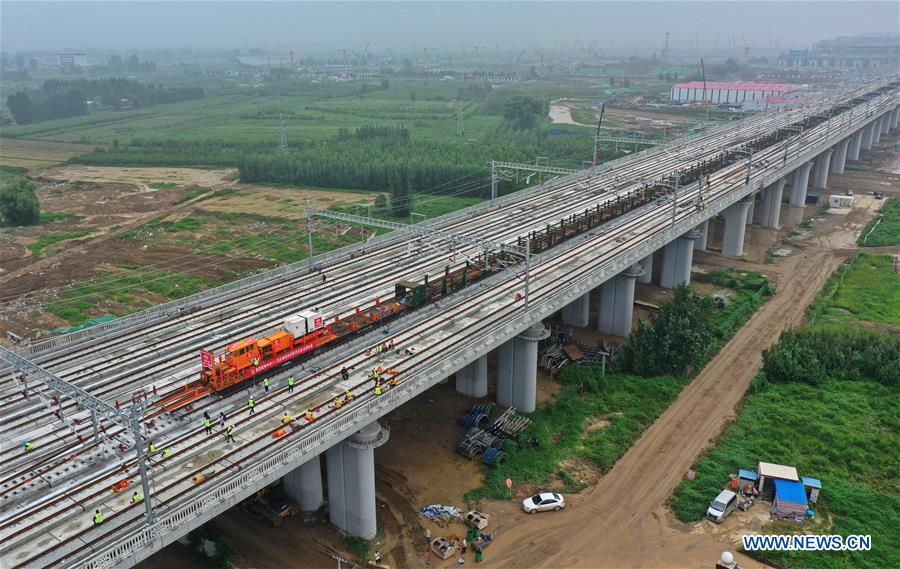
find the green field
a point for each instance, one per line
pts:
(251, 115)
(842, 432)
(45, 241)
(238, 125)
(866, 288)
(825, 401)
(884, 230)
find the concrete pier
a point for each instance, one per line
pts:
(647, 267)
(868, 136)
(304, 485)
(885, 124)
(472, 380)
(677, 258)
(876, 130)
(752, 209)
(770, 205)
(799, 185)
(577, 312)
(840, 157)
(700, 242)
(823, 164)
(351, 481)
(855, 145)
(735, 227)
(517, 369)
(617, 302)
(895, 118)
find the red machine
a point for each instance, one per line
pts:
(302, 333)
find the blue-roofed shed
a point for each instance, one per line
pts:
(746, 478)
(812, 486)
(811, 482)
(790, 499)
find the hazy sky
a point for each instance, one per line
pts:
(324, 26)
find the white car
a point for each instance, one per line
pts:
(543, 502)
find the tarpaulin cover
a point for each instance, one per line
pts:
(811, 482)
(790, 491)
(747, 474)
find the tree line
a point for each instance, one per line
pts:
(59, 98)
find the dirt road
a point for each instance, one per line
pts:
(622, 522)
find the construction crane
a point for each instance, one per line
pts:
(597, 136)
(703, 76)
(704, 103)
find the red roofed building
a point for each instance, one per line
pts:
(732, 93)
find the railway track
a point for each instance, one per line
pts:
(189, 442)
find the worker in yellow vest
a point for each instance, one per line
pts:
(98, 518)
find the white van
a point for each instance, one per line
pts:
(721, 506)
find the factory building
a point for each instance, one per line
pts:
(869, 51)
(741, 93)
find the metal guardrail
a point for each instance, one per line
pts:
(631, 140)
(245, 483)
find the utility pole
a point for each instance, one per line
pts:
(675, 197)
(309, 229)
(666, 53)
(494, 181)
(460, 122)
(597, 137)
(527, 269)
(749, 166)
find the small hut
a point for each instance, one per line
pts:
(812, 487)
(790, 499)
(769, 472)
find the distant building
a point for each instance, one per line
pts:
(868, 51)
(72, 62)
(746, 94)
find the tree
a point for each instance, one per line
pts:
(731, 65)
(522, 112)
(133, 64)
(21, 108)
(18, 203)
(676, 339)
(115, 64)
(401, 196)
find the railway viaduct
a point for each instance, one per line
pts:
(84, 388)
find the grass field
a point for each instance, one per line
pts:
(866, 288)
(885, 232)
(251, 115)
(825, 402)
(38, 153)
(47, 240)
(842, 432)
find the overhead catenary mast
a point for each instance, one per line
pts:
(597, 137)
